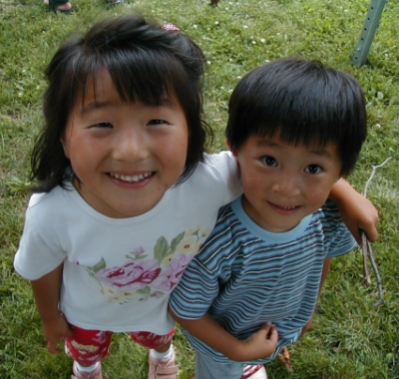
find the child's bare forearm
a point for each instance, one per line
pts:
(211, 333)
(357, 212)
(46, 291)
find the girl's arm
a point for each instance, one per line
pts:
(46, 291)
(260, 345)
(357, 212)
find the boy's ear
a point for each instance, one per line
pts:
(228, 143)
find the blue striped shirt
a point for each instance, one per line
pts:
(245, 276)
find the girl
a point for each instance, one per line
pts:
(123, 184)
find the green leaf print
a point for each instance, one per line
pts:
(98, 266)
(144, 291)
(161, 249)
(175, 242)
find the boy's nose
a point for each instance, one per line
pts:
(286, 185)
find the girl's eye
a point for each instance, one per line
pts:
(157, 122)
(313, 169)
(269, 161)
(103, 125)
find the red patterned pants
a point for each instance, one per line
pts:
(90, 346)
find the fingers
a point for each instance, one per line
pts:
(270, 331)
(273, 335)
(372, 234)
(52, 347)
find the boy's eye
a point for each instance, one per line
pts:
(157, 122)
(269, 161)
(313, 169)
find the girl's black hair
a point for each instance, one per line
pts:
(145, 62)
(303, 101)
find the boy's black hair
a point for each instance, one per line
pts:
(304, 102)
(145, 62)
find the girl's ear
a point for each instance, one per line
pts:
(230, 147)
(65, 147)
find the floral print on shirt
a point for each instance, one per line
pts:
(141, 277)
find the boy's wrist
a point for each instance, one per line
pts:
(236, 352)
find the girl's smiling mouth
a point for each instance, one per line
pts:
(131, 178)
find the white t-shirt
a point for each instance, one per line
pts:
(119, 273)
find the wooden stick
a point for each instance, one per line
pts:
(367, 252)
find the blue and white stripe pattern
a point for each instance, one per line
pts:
(247, 276)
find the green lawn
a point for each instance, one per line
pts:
(350, 339)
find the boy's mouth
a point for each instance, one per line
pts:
(288, 209)
(131, 178)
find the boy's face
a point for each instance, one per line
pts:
(284, 182)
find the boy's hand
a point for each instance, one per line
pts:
(261, 344)
(55, 330)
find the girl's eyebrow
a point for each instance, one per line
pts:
(87, 107)
(98, 104)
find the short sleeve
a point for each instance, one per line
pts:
(36, 256)
(195, 292)
(223, 166)
(339, 240)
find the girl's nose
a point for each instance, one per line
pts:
(130, 147)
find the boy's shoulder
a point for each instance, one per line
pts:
(329, 214)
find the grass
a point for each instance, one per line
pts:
(350, 338)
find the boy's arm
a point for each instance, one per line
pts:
(326, 269)
(260, 345)
(46, 291)
(357, 212)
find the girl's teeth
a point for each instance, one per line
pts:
(131, 178)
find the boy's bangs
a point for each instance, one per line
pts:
(309, 116)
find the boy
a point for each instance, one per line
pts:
(295, 128)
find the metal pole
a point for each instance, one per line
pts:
(367, 34)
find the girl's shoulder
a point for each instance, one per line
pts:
(47, 203)
(221, 165)
(218, 176)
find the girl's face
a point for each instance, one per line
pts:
(125, 155)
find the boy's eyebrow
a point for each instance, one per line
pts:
(321, 152)
(318, 151)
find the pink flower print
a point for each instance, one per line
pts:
(138, 250)
(131, 276)
(171, 274)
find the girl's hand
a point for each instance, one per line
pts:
(261, 344)
(55, 330)
(357, 212)
(360, 215)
